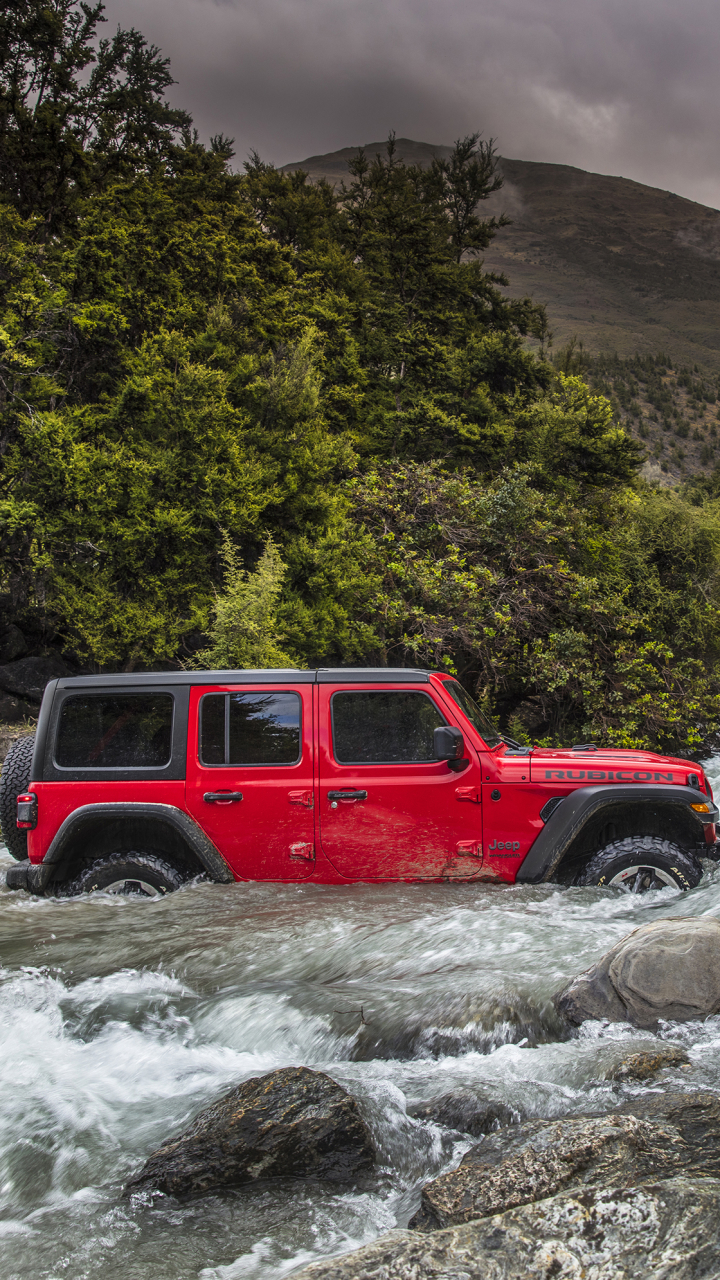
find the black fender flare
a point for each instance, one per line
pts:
(38, 877)
(566, 822)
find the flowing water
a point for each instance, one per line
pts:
(120, 1018)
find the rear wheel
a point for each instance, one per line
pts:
(14, 781)
(640, 863)
(140, 875)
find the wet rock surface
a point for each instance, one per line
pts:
(657, 1138)
(668, 970)
(659, 1230)
(291, 1123)
(450, 1024)
(467, 1113)
(645, 1065)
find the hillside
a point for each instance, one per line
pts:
(624, 267)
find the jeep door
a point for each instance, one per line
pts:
(388, 810)
(250, 778)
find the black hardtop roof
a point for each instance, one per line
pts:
(322, 675)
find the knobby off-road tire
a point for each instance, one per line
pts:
(131, 874)
(14, 780)
(639, 863)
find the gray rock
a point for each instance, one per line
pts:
(291, 1123)
(644, 1065)
(12, 643)
(467, 1113)
(28, 677)
(13, 710)
(669, 970)
(659, 1137)
(659, 1231)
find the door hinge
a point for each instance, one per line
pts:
(468, 793)
(469, 849)
(303, 852)
(301, 797)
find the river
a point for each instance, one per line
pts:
(120, 1018)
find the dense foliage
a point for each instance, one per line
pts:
(245, 418)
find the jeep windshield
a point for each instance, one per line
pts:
(475, 715)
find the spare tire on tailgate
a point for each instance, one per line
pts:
(14, 780)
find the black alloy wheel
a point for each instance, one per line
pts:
(130, 874)
(639, 863)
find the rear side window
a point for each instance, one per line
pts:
(383, 727)
(250, 728)
(126, 731)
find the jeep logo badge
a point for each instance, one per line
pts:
(513, 845)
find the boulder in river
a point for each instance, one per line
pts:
(651, 1232)
(467, 1113)
(656, 1138)
(290, 1123)
(668, 970)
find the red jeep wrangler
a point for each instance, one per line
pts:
(137, 783)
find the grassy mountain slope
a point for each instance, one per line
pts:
(624, 267)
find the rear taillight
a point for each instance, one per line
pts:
(27, 812)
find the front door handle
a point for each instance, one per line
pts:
(347, 795)
(468, 793)
(222, 797)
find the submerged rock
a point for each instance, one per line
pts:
(659, 1230)
(291, 1123)
(449, 1024)
(669, 970)
(467, 1113)
(655, 1138)
(644, 1065)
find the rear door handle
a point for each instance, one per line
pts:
(347, 795)
(222, 797)
(301, 797)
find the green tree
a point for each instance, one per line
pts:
(592, 620)
(244, 631)
(74, 109)
(441, 347)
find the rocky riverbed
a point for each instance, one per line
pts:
(121, 1020)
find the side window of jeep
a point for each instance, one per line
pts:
(384, 726)
(115, 731)
(250, 728)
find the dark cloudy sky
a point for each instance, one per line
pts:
(616, 86)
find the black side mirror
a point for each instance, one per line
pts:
(448, 743)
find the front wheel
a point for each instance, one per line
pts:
(131, 874)
(640, 863)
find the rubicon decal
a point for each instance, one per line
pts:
(610, 775)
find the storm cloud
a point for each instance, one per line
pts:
(607, 85)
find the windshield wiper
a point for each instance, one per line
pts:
(510, 742)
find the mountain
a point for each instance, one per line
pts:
(623, 267)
